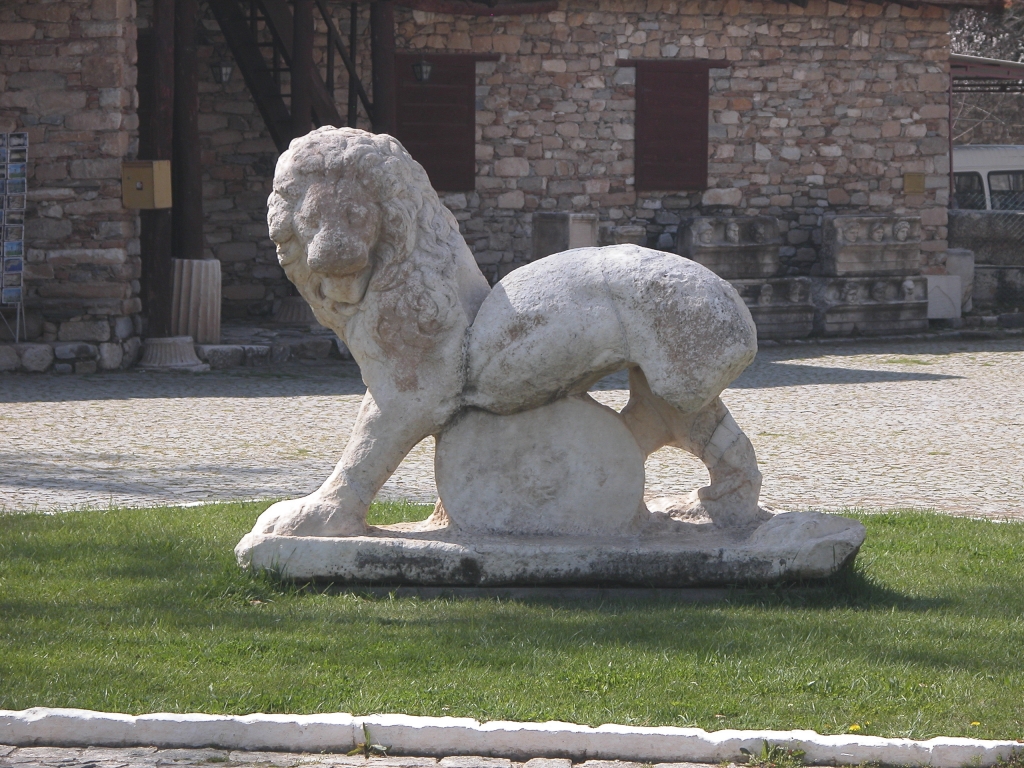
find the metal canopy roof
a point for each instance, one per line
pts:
(974, 74)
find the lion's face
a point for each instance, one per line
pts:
(346, 211)
(339, 228)
(336, 227)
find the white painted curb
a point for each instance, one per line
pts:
(445, 736)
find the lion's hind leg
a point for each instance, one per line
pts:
(710, 434)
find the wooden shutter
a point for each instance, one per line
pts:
(671, 125)
(436, 119)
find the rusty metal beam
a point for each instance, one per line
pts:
(963, 67)
(355, 84)
(353, 74)
(279, 19)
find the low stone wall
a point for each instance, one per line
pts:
(70, 356)
(998, 289)
(67, 78)
(340, 733)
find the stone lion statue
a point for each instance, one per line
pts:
(364, 237)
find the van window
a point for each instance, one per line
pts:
(1007, 190)
(969, 191)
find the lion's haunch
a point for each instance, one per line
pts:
(557, 325)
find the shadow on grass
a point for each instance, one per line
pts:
(849, 588)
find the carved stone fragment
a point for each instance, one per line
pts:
(735, 248)
(871, 245)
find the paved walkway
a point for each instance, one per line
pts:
(936, 424)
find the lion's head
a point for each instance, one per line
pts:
(352, 211)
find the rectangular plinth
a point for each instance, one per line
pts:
(792, 321)
(792, 545)
(876, 319)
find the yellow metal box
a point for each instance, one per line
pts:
(913, 183)
(146, 184)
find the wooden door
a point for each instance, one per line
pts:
(671, 125)
(436, 118)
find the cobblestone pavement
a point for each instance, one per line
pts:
(936, 424)
(93, 757)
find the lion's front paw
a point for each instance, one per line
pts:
(310, 516)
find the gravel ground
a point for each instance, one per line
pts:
(926, 424)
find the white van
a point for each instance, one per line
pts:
(989, 177)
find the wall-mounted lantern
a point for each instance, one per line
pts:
(422, 69)
(221, 71)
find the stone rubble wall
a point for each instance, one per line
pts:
(823, 109)
(67, 77)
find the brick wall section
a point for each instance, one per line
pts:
(67, 76)
(823, 109)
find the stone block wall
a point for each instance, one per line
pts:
(67, 77)
(822, 109)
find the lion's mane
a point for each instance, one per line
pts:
(414, 264)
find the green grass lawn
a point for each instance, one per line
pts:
(145, 610)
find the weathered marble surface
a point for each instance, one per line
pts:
(568, 468)
(854, 246)
(791, 545)
(381, 262)
(116, 740)
(733, 247)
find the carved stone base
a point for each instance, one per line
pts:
(854, 246)
(876, 320)
(735, 248)
(293, 310)
(195, 300)
(797, 307)
(780, 306)
(568, 468)
(172, 353)
(791, 545)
